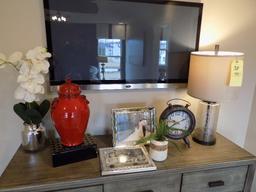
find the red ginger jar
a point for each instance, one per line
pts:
(70, 113)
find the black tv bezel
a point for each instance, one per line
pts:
(89, 84)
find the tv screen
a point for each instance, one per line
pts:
(97, 42)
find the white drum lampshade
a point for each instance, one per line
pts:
(209, 77)
(209, 74)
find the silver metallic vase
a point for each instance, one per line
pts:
(33, 137)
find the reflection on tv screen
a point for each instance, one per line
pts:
(105, 41)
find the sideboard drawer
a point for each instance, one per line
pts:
(83, 189)
(165, 183)
(217, 180)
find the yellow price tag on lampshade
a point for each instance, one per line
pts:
(236, 73)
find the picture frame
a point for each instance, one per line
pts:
(131, 124)
(129, 159)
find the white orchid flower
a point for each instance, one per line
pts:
(33, 53)
(38, 53)
(19, 93)
(25, 67)
(13, 60)
(32, 87)
(40, 66)
(43, 55)
(37, 78)
(22, 78)
(30, 97)
(46, 66)
(2, 65)
(23, 94)
(31, 70)
(15, 57)
(2, 60)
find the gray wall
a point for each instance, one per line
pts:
(234, 28)
(21, 28)
(234, 32)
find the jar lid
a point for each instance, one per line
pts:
(69, 89)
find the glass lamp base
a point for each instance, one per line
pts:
(205, 132)
(202, 142)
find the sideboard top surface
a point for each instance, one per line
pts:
(33, 169)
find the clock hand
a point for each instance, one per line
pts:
(177, 122)
(182, 120)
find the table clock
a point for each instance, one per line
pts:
(179, 117)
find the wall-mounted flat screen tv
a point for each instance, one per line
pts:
(121, 43)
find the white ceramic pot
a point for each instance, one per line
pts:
(158, 150)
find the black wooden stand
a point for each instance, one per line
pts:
(62, 155)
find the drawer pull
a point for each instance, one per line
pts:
(147, 191)
(216, 183)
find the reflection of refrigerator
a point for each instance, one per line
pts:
(142, 53)
(134, 59)
(110, 50)
(111, 38)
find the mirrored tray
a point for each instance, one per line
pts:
(118, 160)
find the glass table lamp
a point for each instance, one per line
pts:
(209, 80)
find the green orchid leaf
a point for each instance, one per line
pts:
(20, 110)
(34, 105)
(44, 107)
(34, 116)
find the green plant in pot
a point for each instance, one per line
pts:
(31, 69)
(158, 141)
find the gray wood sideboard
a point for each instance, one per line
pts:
(224, 167)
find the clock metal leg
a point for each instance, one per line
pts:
(186, 141)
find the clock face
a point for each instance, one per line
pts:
(180, 119)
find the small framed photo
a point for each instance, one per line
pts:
(131, 124)
(118, 160)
